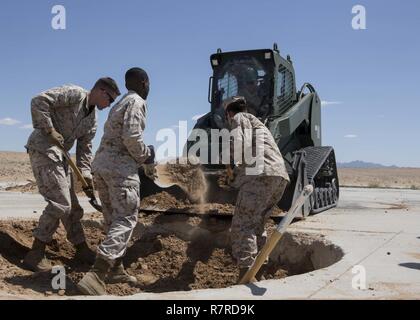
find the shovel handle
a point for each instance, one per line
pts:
(75, 169)
(86, 188)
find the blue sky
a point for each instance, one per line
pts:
(369, 77)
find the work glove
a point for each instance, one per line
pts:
(149, 165)
(151, 159)
(55, 137)
(88, 190)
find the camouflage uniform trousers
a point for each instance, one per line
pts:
(256, 200)
(120, 200)
(56, 185)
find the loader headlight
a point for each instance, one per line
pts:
(267, 55)
(214, 62)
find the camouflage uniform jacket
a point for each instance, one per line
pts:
(122, 150)
(251, 137)
(67, 110)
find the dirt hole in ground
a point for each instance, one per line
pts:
(167, 253)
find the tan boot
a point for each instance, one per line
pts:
(118, 274)
(84, 254)
(35, 259)
(93, 283)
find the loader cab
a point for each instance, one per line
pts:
(265, 79)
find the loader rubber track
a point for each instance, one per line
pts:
(322, 174)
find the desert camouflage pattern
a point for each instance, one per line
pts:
(67, 110)
(248, 134)
(256, 200)
(121, 153)
(120, 200)
(122, 150)
(56, 185)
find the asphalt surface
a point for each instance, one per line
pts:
(26, 205)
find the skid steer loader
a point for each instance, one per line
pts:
(267, 81)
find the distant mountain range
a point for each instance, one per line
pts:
(362, 164)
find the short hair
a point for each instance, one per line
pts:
(108, 83)
(136, 74)
(236, 104)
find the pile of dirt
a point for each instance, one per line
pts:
(15, 167)
(30, 187)
(161, 260)
(224, 209)
(190, 178)
(407, 178)
(164, 201)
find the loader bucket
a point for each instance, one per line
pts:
(219, 200)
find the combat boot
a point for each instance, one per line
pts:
(35, 259)
(118, 274)
(84, 253)
(93, 283)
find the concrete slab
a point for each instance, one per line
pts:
(378, 229)
(379, 232)
(26, 205)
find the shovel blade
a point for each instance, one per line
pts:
(162, 184)
(164, 178)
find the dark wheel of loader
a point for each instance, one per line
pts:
(314, 200)
(324, 197)
(322, 174)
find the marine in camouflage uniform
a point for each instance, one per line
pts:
(68, 112)
(117, 161)
(259, 190)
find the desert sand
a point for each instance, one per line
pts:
(16, 169)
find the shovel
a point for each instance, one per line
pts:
(86, 189)
(276, 236)
(163, 178)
